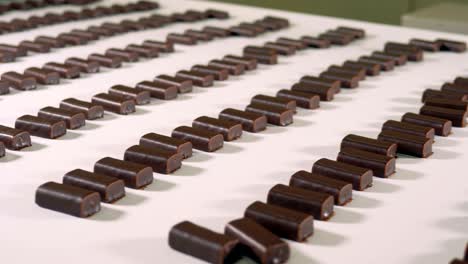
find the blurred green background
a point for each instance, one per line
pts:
(381, 11)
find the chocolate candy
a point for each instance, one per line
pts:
(73, 120)
(447, 103)
(381, 165)
(90, 110)
(161, 46)
(125, 55)
(85, 34)
(278, 20)
(340, 190)
(131, 25)
(461, 80)
(360, 178)
(183, 85)
(161, 160)
(243, 31)
(414, 54)
(361, 73)
(19, 81)
(6, 56)
(174, 145)
(72, 39)
(316, 42)
(267, 25)
(399, 59)
(16, 50)
(113, 103)
(34, 46)
(216, 31)
(385, 64)
(41, 127)
(109, 188)
(68, 199)
(51, 41)
(275, 115)
(43, 76)
(143, 51)
(274, 101)
(372, 69)
(14, 139)
(455, 88)
(408, 144)
(258, 29)
(303, 100)
(281, 49)
(450, 45)
(65, 71)
(369, 145)
(2, 149)
(458, 117)
(266, 246)
(260, 50)
(426, 45)
(319, 205)
(337, 38)
(140, 97)
(417, 130)
(230, 130)
(182, 39)
(199, 79)
(262, 58)
(116, 28)
(324, 91)
(234, 68)
(250, 64)
(4, 87)
(198, 35)
(281, 221)
(85, 66)
(347, 80)
(458, 261)
(298, 44)
(333, 84)
(430, 93)
(158, 90)
(356, 32)
(251, 122)
(442, 127)
(217, 73)
(133, 174)
(202, 243)
(218, 14)
(106, 61)
(202, 139)
(101, 31)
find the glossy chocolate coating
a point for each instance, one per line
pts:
(161, 160)
(133, 174)
(281, 49)
(451, 45)
(68, 199)
(72, 39)
(274, 101)
(325, 92)
(337, 38)
(216, 31)
(198, 35)
(319, 205)
(266, 246)
(447, 103)
(198, 79)
(14, 139)
(461, 80)
(340, 190)
(217, 73)
(348, 80)
(458, 117)
(230, 130)
(399, 59)
(381, 165)
(109, 188)
(413, 55)
(65, 71)
(275, 115)
(426, 45)
(258, 29)
(250, 64)
(41, 127)
(279, 20)
(174, 145)
(140, 96)
(161, 46)
(408, 144)
(297, 43)
(269, 59)
(85, 33)
(260, 50)
(116, 28)
(442, 127)
(356, 32)
(417, 130)
(215, 13)
(202, 243)
(183, 85)
(334, 84)
(303, 100)
(430, 93)
(182, 39)
(114, 103)
(243, 31)
(251, 122)
(143, 51)
(101, 31)
(4, 87)
(34, 46)
(6, 56)
(361, 73)
(19, 81)
(90, 110)
(360, 178)
(281, 221)
(386, 64)
(455, 88)
(316, 42)
(158, 90)
(85, 66)
(43, 76)
(125, 55)
(233, 68)
(370, 145)
(16, 50)
(106, 61)
(202, 139)
(372, 69)
(73, 120)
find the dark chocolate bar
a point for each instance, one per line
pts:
(140, 96)
(458, 117)
(360, 178)
(251, 122)
(442, 127)
(113, 103)
(417, 130)
(202, 139)
(90, 110)
(370, 145)
(303, 100)
(153, 140)
(408, 144)
(14, 139)
(230, 130)
(133, 174)
(161, 160)
(41, 127)
(381, 165)
(159, 90)
(275, 115)
(72, 119)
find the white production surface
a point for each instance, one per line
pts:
(419, 215)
